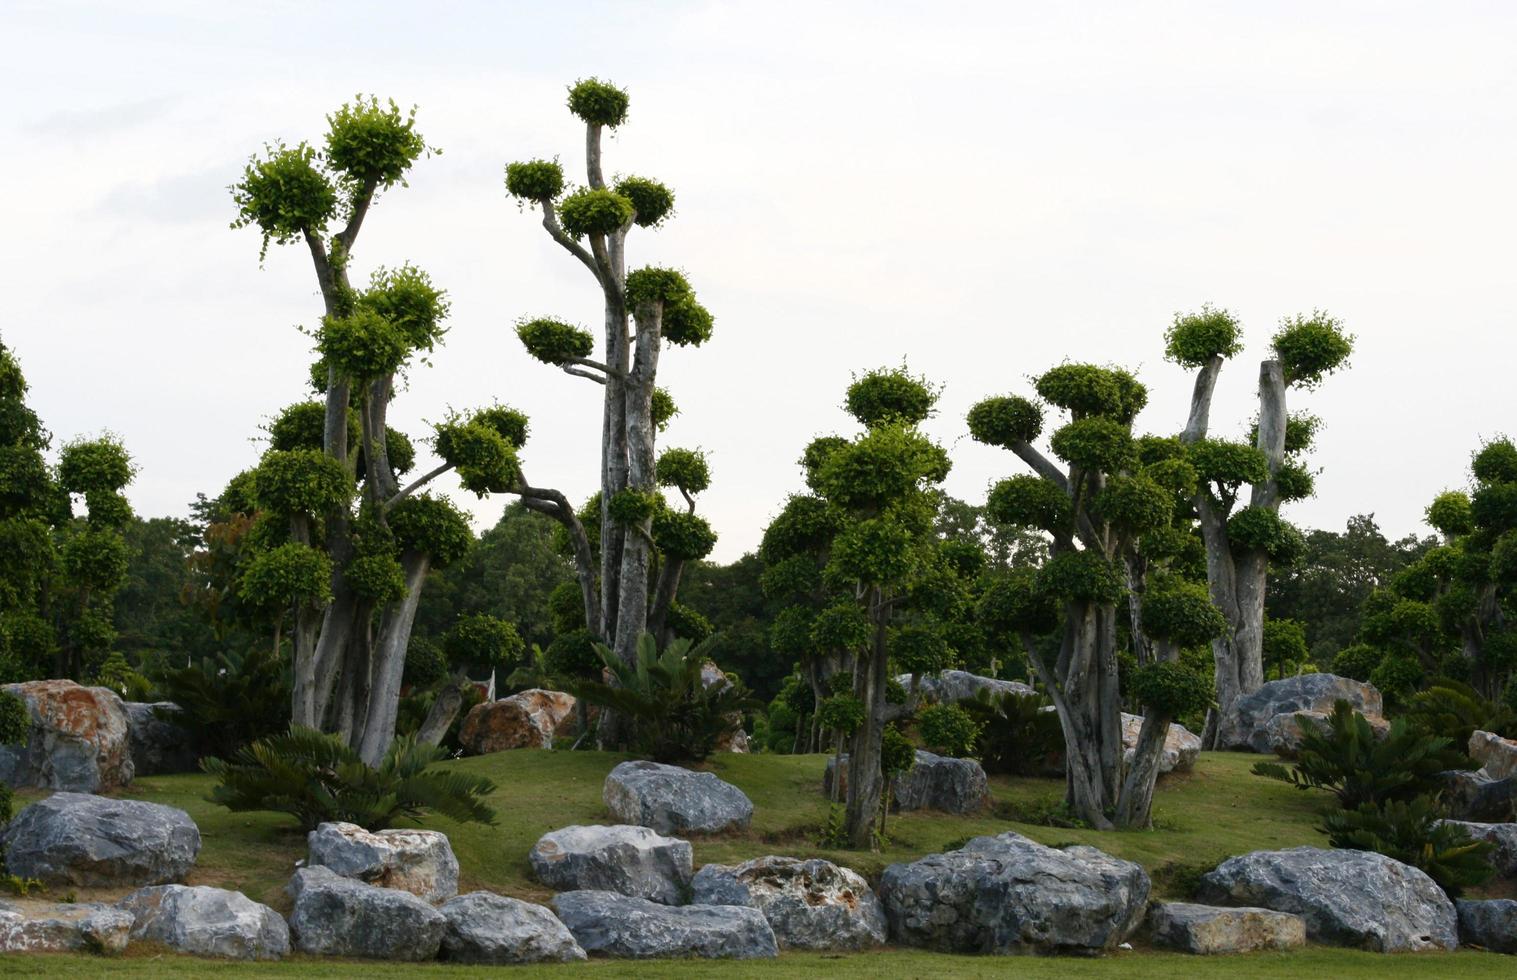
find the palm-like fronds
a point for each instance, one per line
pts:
(317, 777)
(674, 716)
(1414, 833)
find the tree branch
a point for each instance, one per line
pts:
(420, 482)
(1272, 423)
(582, 373)
(1041, 464)
(592, 155)
(361, 202)
(1200, 400)
(550, 222)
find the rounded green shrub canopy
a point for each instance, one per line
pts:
(554, 341)
(535, 180)
(1085, 389)
(686, 469)
(1310, 348)
(301, 481)
(1005, 421)
(1182, 612)
(1081, 576)
(1096, 443)
(593, 212)
(651, 201)
(1195, 338)
(1030, 501)
(598, 103)
(890, 396)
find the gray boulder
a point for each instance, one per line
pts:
(417, 861)
(1348, 898)
(1497, 756)
(628, 860)
(1209, 929)
(1491, 924)
(618, 925)
(337, 916)
(1182, 747)
(1008, 894)
(1471, 794)
(1255, 723)
(935, 782)
(78, 739)
(207, 922)
(491, 929)
(58, 927)
(81, 839)
(1502, 835)
(811, 904)
(158, 745)
(673, 800)
(960, 685)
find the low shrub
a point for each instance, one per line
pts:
(1413, 832)
(316, 777)
(230, 700)
(948, 729)
(1017, 737)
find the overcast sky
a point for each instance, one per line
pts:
(982, 190)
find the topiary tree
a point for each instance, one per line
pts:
(1244, 537)
(474, 641)
(630, 576)
(60, 571)
(329, 487)
(1110, 513)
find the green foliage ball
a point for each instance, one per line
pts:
(890, 396)
(107, 509)
(917, 648)
(554, 341)
(1357, 661)
(572, 654)
(1494, 507)
(805, 525)
(631, 506)
(302, 426)
(686, 622)
(1496, 462)
(1311, 348)
(432, 526)
(1134, 505)
(484, 640)
(1005, 421)
(593, 212)
(948, 730)
(1284, 642)
(511, 425)
(284, 195)
(875, 551)
(841, 713)
(373, 143)
(1260, 529)
(664, 409)
(292, 573)
(1171, 688)
(1095, 443)
(686, 469)
(363, 346)
(377, 578)
(682, 536)
(790, 633)
(95, 559)
(790, 578)
(1013, 602)
(1182, 612)
(651, 200)
(485, 460)
(897, 754)
(425, 664)
(410, 302)
(1085, 389)
(1195, 338)
(87, 465)
(840, 628)
(1030, 501)
(566, 607)
(1451, 513)
(1228, 463)
(1176, 475)
(300, 481)
(535, 180)
(882, 466)
(598, 103)
(1081, 576)
(1294, 481)
(1397, 676)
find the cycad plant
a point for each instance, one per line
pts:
(1348, 760)
(1455, 710)
(1413, 832)
(673, 715)
(317, 777)
(228, 700)
(1018, 737)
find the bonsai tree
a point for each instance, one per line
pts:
(61, 571)
(1243, 484)
(1110, 513)
(327, 495)
(473, 641)
(624, 590)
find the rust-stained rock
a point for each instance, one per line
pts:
(80, 739)
(528, 720)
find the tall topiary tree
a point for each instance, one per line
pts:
(625, 587)
(328, 495)
(1243, 484)
(1110, 514)
(60, 572)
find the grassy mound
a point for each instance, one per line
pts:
(1218, 810)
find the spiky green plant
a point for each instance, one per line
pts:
(228, 700)
(316, 777)
(1455, 710)
(674, 716)
(1349, 761)
(1413, 832)
(1017, 736)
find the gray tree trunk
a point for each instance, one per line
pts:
(866, 779)
(390, 662)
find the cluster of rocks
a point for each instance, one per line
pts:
(1269, 720)
(88, 740)
(1487, 794)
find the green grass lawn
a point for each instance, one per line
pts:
(1200, 818)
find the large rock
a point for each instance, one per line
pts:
(78, 740)
(417, 861)
(632, 861)
(1471, 794)
(1209, 929)
(57, 927)
(935, 782)
(159, 745)
(491, 929)
(960, 685)
(618, 925)
(1502, 835)
(81, 839)
(528, 720)
(1348, 898)
(811, 904)
(1491, 924)
(735, 740)
(1008, 894)
(1256, 724)
(337, 916)
(673, 800)
(1181, 747)
(207, 922)
(1497, 756)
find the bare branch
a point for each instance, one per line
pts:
(420, 482)
(550, 222)
(1041, 464)
(592, 155)
(582, 373)
(361, 202)
(1200, 400)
